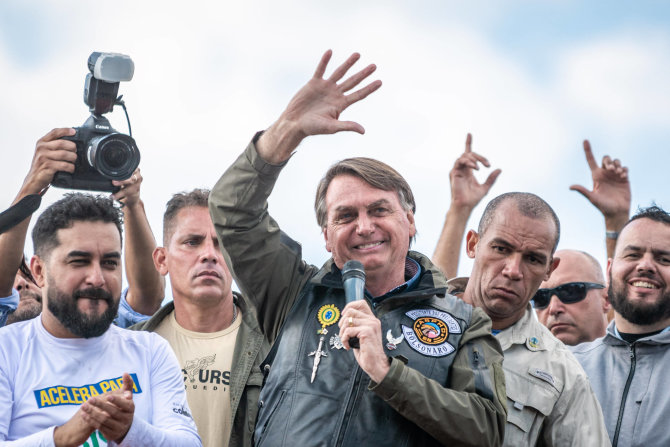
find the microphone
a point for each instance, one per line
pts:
(353, 278)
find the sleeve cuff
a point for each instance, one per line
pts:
(388, 387)
(11, 301)
(260, 165)
(127, 316)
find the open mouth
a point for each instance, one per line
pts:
(368, 246)
(644, 285)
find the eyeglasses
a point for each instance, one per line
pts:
(569, 293)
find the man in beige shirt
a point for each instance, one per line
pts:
(217, 342)
(549, 398)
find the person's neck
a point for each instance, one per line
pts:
(202, 316)
(55, 327)
(378, 285)
(625, 326)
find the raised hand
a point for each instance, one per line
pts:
(611, 189)
(51, 155)
(466, 191)
(129, 194)
(316, 109)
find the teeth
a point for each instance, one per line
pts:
(644, 284)
(364, 246)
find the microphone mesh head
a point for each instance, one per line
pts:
(353, 269)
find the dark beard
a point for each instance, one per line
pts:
(23, 313)
(64, 308)
(638, 313)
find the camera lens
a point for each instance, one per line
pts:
(115, 155)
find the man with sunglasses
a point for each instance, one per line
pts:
(572, 303)
(628, 367)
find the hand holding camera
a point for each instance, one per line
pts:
(52, 154)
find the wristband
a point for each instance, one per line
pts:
(612, 234)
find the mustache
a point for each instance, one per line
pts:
(93, 292)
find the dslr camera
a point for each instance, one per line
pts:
(103, 154)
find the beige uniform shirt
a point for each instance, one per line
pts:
(205, 359)
(549, 397)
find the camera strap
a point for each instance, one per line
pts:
(17, 213)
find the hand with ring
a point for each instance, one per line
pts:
(129, 194)
(359, 321)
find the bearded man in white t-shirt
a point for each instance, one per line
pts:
(69, 378)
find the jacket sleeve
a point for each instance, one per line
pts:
(471, 410)
(566, 426)
(266, 264)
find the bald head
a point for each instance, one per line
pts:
(582, 321)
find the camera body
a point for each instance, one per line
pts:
(103, 154)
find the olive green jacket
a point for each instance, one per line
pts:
(246, 378)
(269, 269)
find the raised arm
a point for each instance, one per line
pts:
(466, 193)
(267, 264)
(146, 287)
(316, 109)
(610, 194)
(51, 155)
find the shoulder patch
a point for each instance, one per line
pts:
(428, 335)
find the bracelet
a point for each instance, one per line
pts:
(612, 234)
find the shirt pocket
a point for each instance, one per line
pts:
(529, 401)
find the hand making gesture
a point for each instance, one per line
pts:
(316, 109)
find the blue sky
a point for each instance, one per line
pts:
(529, 79)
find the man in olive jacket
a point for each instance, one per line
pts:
(216, 338)
(426, 368)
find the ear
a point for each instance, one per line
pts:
(552, 266)
(608, 272)
(324, 230)
(412, 224)
(471, 241)
(38, 269)
(605, 301)
(160, 260)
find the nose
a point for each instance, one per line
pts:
(210, 251)
(364, 224)
(512, 268)
(556, 306)
(94, 276)
(646, 264)
(21, 283)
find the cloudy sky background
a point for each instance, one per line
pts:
(529, 79)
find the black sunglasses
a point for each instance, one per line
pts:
(569, 293)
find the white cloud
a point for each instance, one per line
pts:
(209, 74)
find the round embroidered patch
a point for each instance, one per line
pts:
(430, 330)
(328, 314)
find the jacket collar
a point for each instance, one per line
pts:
(611, 338)
(431, 282)
(527, 331)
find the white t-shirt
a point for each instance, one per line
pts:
(44, 380)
